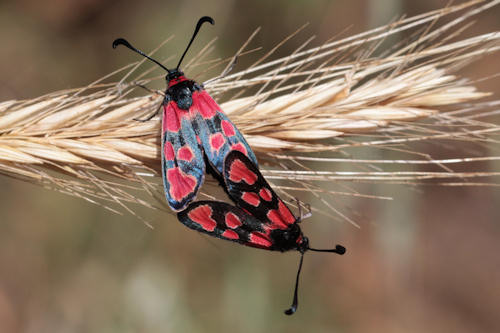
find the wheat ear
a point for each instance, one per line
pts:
(337, 98)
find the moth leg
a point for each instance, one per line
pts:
(308, 208)
(309, 211)
(165, 101)
(157, 92)
(299, 206)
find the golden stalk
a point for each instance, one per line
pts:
(336, 99)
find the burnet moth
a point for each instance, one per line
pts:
(259, 219)
(193, 125)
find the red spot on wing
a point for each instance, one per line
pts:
(276, 219)
(230, 234)
(286, 213)
(216, 141)
(185, 153)
(181, 184)
(239, 171)
(265, 194)
(227, 128)
(203, 216)
(205, 104)
(239, 147)
(172, 117)
(168, 151)
(281, 217)
(198, 139)
(232, 221)
(260, 240)
(251, 198)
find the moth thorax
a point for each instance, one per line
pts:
(184, 98)
(285, 240)
(182, 94)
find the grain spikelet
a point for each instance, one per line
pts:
(337, 98)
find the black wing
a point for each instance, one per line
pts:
(249, 190)
(225, 221)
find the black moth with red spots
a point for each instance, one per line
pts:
(193, 127)
(260, 218)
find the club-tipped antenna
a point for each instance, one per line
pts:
(339, 249)
(295, 302)
(121, 41)
(198, 26)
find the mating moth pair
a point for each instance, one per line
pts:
(195, 130)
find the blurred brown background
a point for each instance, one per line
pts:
(426, 262)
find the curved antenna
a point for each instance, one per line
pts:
(295, 302)
(121, 41)
(198, 26)
(339, 249)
